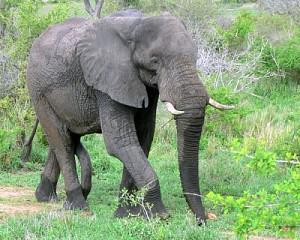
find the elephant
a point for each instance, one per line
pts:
(46, 190)
(106, 76)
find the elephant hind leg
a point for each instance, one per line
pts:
(60, 141)
(86, 167)
(46, 190)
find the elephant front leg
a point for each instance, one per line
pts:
(145, 127)
(121, 139)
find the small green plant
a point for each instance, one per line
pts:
(137, 199)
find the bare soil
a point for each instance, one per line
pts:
(20, 201)
(267, 238)
(15, 192)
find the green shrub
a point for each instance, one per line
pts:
(237, 34)
(256, 154)
(288, 54)
(24, 27)
(224, 124)
(254, 213)
(284, 57)
(10, 146)
(30, 23)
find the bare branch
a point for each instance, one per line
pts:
(88, 7)
(98, 8)
(94, 12)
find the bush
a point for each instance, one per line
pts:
(284, 57)
(237, 34)
(288, 55)
(277, 211)
(21, 31)
(30, 23)
(9, 149)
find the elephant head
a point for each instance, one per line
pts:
(120, 56)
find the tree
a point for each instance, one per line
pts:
(2, 23)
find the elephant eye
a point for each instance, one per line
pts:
(154, 61)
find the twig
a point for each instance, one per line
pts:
(167, 122)
(289, 162)
(293, 162)
(255, 95)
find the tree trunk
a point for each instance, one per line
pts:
(2, 24)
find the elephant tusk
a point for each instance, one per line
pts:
(219, 106)
(172, 109)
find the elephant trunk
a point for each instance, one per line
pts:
(188, 96)
(188, 136)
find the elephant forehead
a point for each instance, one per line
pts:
(168, 38)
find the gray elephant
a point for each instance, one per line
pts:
(106, 76)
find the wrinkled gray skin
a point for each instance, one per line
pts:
(105, 76)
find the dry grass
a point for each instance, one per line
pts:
(274, 128)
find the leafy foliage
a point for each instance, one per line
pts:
(288, 54)
(277, 211)
(261, 160)
(30, 23)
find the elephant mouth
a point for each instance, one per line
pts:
(149, 77)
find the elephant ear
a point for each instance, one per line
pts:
(105, 58)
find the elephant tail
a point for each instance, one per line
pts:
(27, 146)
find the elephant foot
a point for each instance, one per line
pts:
(75, 200)
(147, 210)
(46, 190)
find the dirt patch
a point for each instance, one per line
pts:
(231, 235)
(15, 192)
(19, 209)
(267, 238)
(20, 201)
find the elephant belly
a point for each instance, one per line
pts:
(77, 107)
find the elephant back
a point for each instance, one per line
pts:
(52, 60)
